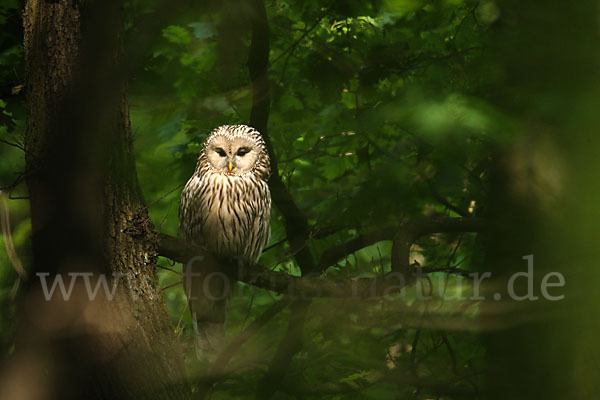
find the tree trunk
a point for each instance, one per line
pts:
(88, 217)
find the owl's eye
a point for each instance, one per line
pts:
(220, 151)
(243, 151)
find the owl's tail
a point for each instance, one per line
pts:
(207, 291)
(208, 337)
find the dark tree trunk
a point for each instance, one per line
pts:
(88, 216)
(295, 222)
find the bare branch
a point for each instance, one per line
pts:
(17, 145)
(442, 200)
(333, 254)
(403, 237)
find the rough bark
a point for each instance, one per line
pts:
(87, 216)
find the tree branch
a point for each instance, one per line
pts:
(406, 233)
(314, 285)
(17, 145)
(305, 287)
(333, 254)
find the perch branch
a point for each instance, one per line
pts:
(304, 287)
(314, 285)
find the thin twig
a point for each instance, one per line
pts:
(306, 32)
(471, 12)
(12, 186)
(413, 351)
(278, 243)
(167, 269)
(451, 353)
(160, 225)
(18, 180)
(164, 195)
(458, 243)
(8, 242)
(172, 285)
(250, 304)
(17, 145)
(180, 320)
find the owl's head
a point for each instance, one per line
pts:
(236, 150)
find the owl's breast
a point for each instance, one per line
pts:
(233, 215)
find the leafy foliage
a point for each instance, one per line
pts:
(375, 117)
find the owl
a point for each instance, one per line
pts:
(226, 207)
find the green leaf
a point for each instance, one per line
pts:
(176, 34)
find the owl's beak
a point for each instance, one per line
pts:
(230, 166)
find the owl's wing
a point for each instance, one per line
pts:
(202, 282)
(190, 214)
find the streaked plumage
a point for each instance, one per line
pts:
(226, 207)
